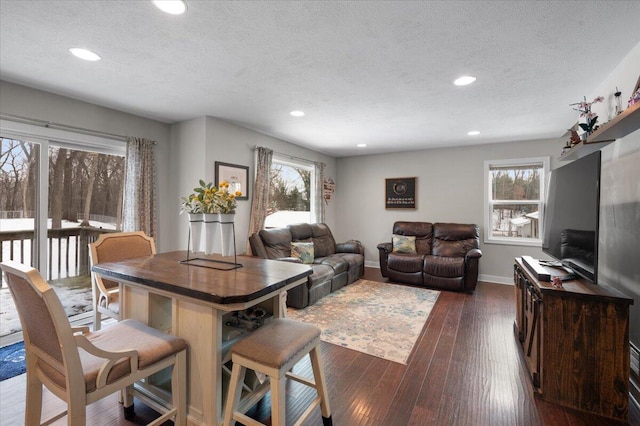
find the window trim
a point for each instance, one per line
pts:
(63, 138)
(518, 241)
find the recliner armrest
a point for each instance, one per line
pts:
(351, 246)
(385, 247)
(473, 254)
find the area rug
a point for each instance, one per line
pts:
(12, 361)
(379, 319)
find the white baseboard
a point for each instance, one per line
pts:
(371, 264)
(495, 279)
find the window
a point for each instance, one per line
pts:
(514, 200)
(292, 195)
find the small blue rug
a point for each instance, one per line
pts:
(12, 361)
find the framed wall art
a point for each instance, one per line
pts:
(237, 176)
(400, 193)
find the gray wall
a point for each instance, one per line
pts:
(619, 238)
(195, 147)
(619, 246)
(450, 188)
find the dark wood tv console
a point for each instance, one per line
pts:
(575, 341)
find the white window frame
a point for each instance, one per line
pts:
(302, 164)
(489, 203)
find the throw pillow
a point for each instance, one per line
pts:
(302, 251)
(404, 243)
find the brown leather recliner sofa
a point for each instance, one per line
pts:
(446, 256)
(334, 265)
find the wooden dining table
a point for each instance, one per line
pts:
(195, 300)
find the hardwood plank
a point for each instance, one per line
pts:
(434, 394)
(466, 369)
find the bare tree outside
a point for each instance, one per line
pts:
(12, 169)
(57, 165)
(84, 185)
(290, 189)
(91, 171)
(30, 152)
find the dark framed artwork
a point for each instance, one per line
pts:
(400, 193)
(236, 175)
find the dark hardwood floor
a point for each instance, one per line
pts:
(465, 369)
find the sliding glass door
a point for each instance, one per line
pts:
(56, 198)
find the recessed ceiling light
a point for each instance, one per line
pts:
(174, 7)
(464, 80)
(362, 145)
(473, 133)
(85, 54)
(297, 113)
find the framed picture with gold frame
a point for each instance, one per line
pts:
(400, 193)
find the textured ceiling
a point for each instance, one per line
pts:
(373, 72)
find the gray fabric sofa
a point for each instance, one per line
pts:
(334, 264)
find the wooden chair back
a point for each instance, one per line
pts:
(114, 247)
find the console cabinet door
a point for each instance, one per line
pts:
(531, 343)
(520, 288)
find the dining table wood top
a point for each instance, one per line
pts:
(256, 277)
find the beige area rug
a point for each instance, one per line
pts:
(379, 319)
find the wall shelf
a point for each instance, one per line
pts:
(620, 126)
(582, 149)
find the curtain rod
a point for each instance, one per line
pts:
(255, 148)
(52, 125)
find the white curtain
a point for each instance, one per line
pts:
(140, 202)
(319, 202)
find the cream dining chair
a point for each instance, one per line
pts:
(112, 248)
(81, 367)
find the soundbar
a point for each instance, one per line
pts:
(536, 269)
(543, 274)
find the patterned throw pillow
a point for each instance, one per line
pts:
(404, 244)
(302, 251)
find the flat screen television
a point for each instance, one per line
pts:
(571, 216)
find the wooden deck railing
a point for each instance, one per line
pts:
(67, 254)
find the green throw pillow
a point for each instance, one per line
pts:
(303, 251)
(404, 244)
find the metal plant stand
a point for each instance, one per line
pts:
(205, 262)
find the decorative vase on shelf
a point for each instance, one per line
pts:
(227, 236)
(210, 231)
(195, 227)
